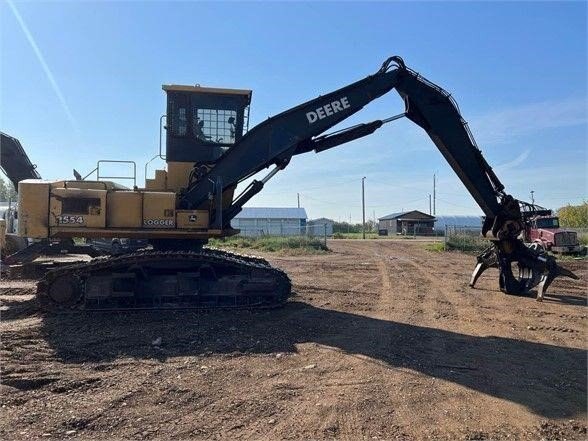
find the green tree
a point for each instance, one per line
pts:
(346, 227)
(7, 190)
(3, 190)
(574, 216)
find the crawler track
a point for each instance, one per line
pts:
(205, 279)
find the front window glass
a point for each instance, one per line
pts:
(551, 222)
(182, 122)
(214, 125)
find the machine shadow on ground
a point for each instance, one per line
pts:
(549, 380)
(566, 299)
(550, 297)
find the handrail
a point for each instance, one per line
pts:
(111, 161)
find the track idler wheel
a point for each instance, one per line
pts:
(64, 291)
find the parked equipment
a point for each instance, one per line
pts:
(545, 233)
(16, 166)
(208, 152)
(118, 245)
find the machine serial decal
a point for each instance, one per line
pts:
(64, 219)
(328, 110)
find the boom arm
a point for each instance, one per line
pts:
(275, 140)
(14, 161)
(297, 131)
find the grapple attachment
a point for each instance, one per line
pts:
(535, 267)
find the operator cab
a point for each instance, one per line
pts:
(204, 122)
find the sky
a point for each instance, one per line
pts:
(81, 81)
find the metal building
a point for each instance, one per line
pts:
(270, 221)
(407, 222)
(473, 222)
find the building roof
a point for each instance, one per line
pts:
(272, 213)
(458, 221)
(408, 215)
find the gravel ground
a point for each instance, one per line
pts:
(382, 340)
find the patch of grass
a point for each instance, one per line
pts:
(570, 257)
(357, 236)
(467, 243)
(436, 247)
(287, 245)
(583, 238)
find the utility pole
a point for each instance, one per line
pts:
(533, 197)
(434, 194)
(430, 212)
(363, 204)
(298, 194)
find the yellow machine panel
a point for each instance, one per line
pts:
(33, 208)
(159, 183)
(159, 210)
(87, 185)
(123, 209)
(73, 207)
(188, 219)
(178, 174)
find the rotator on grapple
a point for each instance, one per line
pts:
(208, 153)
(536, 268)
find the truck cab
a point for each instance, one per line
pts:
(546, 231)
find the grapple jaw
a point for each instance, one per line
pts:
(535, 267)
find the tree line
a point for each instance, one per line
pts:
(346, 227)
(574, 216)
(7, 191)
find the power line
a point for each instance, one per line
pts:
(455, 205)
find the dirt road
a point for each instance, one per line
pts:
(383, 340)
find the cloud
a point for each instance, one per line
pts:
(514, 163)
(43, 63)
(501, 126)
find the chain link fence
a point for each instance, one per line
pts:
(582, 235)
(465, 238)
(290, 234)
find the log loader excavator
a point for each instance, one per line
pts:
(208, 153)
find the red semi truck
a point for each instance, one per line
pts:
(546, 232)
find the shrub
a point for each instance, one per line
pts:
(465, 242)
(300, 244)
(435, 247)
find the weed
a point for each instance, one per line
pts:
(272, 244)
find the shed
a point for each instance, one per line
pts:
(270, 221)
(406, 222)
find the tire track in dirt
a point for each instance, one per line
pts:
(390, 289)
(433, 302)
(404, 298)
(450, 300)
(427, 305)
